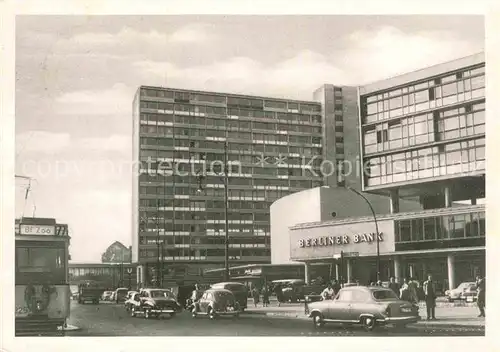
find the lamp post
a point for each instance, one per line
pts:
(225, 180)
(376, 228)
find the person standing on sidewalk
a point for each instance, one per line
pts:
(481, 295)
(255, 296)
(394, 286)
(265, 296)
(336, 287)
(279, 294)
(430, 297)
(412, 291)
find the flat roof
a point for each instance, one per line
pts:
(421, 74)
(223, 94)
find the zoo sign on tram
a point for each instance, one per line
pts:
(42, 295)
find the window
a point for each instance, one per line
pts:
(384, 294)
(40, 264)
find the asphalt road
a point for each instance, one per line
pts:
(109, 319)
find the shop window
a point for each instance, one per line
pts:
(482, 224)
(457, 226)
(416, 230)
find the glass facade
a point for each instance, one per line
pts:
(268, 143)
(426, 129)
(441, 228)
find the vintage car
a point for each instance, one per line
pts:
(368, 306)
(154, 302)
(238, 289)
(120, 295)
(469, 295)
(129, 301)
(456, 293)
(216, 302)
(106, 295)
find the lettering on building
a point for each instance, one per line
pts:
(340, 240)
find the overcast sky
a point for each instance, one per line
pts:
(76, 77)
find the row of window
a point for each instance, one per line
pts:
(446, 78)
(449, 124)
(271, 138)
(185, 253)
(434, 97)
(233, 214)
(209, 240)
(445, 160)
(197, 114)
(215, 229)
(151, 147)
(441, 228)
(229, 100)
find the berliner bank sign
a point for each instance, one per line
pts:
(340, 240)
(325, 241)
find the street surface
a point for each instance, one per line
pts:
(110, 319)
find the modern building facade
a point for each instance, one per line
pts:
(275, 147)
(109, 275)
(422, 135)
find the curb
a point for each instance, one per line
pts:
(420, 324)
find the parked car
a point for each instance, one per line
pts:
(128, 301)
(456, 293)
(368, 306)
(106, 295)
(469, 294)
(238, 289)
(120, 295)
(154, 302)
(216, 302)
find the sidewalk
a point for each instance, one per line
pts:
(447, 316)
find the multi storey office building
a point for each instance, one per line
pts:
(272, 145)
(422, 136)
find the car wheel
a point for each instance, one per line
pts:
(450, 299)
(318, 321)
(211, 314)
(368, 323)
(237, 315)
(132, 312)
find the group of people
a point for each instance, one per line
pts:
(411, 291)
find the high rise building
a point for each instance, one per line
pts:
(274, 148)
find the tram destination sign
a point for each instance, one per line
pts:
(28, 229)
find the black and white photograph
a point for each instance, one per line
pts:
(250, 175)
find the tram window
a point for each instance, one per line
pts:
(39, 260)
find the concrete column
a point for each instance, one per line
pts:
(307, 273)
(448, 199)
(397, 269)
(412, 272)
(140, 274)
(451, 272)
(337, 271)
(349, 270)
(473, 201)
(394, 201)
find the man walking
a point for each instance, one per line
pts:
(481, 294)
(430, 297)
(393, 285)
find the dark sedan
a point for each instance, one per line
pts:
(367, 306)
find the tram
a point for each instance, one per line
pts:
(42, 293)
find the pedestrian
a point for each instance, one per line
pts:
(481, 295)
(328, 292)
(265, 296)
(404, 292)
(412, 290)
(379, 283)
(255, 296)
(393, 285)
(336, 287)
(279, 294)
(429, 288)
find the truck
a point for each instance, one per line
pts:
(89, 291)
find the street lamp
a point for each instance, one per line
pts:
(376, 228)
(225, 180)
